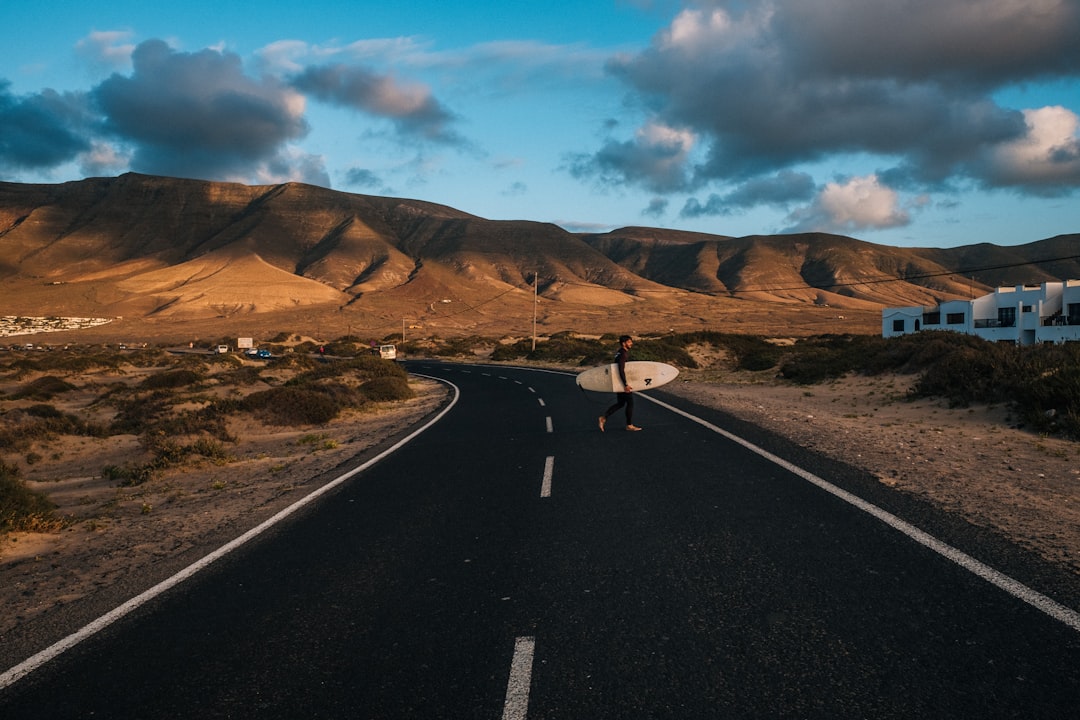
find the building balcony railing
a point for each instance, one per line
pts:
(994, 323)
(1059, 320)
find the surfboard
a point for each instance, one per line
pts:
(641, 374)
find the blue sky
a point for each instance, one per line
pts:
(929, 123)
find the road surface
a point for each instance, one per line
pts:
(512, 561)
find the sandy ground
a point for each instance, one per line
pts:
(969, 461)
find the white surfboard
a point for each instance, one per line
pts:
(640, 374)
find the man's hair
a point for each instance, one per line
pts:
(624, 338)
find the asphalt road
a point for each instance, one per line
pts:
(513, 562)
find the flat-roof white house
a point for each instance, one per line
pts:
(1024, 315)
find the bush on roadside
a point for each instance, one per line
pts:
(22, 509)
(387, 388)
(294, 405)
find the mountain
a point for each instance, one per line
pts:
(165, 250)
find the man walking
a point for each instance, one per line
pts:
(626, 397)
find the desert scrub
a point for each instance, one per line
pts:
(44, 388)
(294, 405)
(23, 509)
(171, 379)
(387, 388)
(20, 428)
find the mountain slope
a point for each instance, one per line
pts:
(155, 247)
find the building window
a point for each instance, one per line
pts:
(954, 319)
(1007, 317)
(1074, 314)
(898, 326)
(931, 318)
(1029, 308)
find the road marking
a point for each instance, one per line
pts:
(541, 402)
(532, 390)
(995, 577)
(516, 705)
(550, 427)
(549, 468)
(10, 676)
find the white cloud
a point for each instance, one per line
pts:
(861, 203)
(1047, 156)
(107, 51)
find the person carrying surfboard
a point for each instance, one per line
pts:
(625, 398)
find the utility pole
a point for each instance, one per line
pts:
(402, 331)
(535, 275)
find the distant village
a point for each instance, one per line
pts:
(14, 325)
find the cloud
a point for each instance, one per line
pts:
(780, 190)
(767, 85)
(1045, 161)
(656, 208)
(199, 115)
(42, 130)
(362, 178)
(411, 107)
(516, 189)
(107, 51)
(655, 159)
(861, 203)
(103, 160)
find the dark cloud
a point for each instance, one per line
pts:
(199, 115)
(412, 108)
(359, 177)
(655, 159)
(656, 208)
(780, 190)
(969, 43)
(764, 86)
(42, 130)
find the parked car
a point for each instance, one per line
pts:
(263, 354)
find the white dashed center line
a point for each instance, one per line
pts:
(549, 469)
(516, 706)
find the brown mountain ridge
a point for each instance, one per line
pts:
(172, 255)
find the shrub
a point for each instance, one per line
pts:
(44, 388)
(387, 388)
(170, 379)
(23, 509)
(293, 406)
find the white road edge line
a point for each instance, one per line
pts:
(516, 705)
(9, 677)
(1014, 587)
(549, 471)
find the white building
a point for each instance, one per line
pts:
(1024, 315)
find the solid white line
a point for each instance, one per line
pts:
(550, 427)
(516, 705)
(26, 667)
(549, 467)
(1014, 587)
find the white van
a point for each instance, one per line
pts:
(388, 352)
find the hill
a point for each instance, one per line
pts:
(187, 257)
